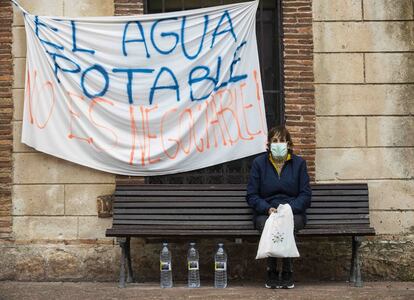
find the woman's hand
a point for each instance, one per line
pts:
(271, 210)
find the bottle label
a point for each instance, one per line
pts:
(220, 266)
(193, 265)
(165, 266)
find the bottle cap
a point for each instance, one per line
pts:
(220, 245)
(165, 244)
(192, 243)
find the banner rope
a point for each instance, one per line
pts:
(19, 6)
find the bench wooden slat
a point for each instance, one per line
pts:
(184, 217)
(185, 187)
(242, 193)
(336, 216)
(331, 198)
(232, 187)
(340, 204)
(227, 199)
(229, 217)
(179, 193)
(178, 228)
(311, 220)
(362, 231)
(188, 224)
(343, 221)
(339, 210)
(166, 232)
(339, 192)
(179, 199)
(310, 211)
(173, 204)
(341, 186)
(335, 226)
(330, 207)
(113, 232)
(184, 211)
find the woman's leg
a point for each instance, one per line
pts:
(287, 263)
(271, 268)
(260, 222)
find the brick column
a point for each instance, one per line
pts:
(299, 78)
(6, 114)
(128, 7)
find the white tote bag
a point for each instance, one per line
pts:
(277, 238)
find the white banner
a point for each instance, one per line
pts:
(145, 95)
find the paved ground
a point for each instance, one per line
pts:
(109, 290)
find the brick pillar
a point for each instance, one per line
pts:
(299, 78)
(6, 114)
(129, 7)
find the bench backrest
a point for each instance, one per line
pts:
(182, 206)
(223, 207)
(334, 204)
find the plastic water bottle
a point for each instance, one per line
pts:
(165, 267)
(220, 267)
(193, 267)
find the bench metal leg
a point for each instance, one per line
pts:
(355, 274)
(122, 244)
(130, 275)
(352, 270)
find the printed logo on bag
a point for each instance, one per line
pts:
(277, 237)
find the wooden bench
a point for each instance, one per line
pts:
(169, 211)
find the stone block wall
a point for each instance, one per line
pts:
(53, 199)
(364, 91)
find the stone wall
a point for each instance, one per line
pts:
(364, 62)
(52, 199)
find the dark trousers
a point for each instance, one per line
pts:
(287, 265)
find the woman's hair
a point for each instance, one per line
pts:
(282, 132)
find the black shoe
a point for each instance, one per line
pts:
(287, 280)
(271, 279)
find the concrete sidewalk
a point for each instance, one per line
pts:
(109, 290)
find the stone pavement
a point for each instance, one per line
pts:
(108, 290)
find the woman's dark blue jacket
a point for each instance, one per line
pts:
(267, 189)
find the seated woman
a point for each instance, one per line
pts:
(279, 177)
